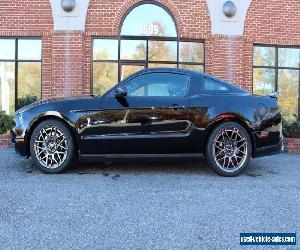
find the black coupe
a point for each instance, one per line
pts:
(153, 113)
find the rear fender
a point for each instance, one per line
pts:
(230, 117)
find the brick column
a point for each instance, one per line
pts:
(247, 68)
(47, 75)
(87, 61)
(67, 63)
(225, 58)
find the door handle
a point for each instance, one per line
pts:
(176, 107)
(148, 120)
(155, 119)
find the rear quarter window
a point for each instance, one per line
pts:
(212, 85)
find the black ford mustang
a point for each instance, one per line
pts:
(153, 113)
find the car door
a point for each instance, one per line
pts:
(152, 119)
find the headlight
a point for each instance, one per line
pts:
(262, 110)
(19, 118)
(18, 129)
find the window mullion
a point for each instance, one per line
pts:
(299, 89)
(119, 57)
(16, 74)
(147, 53)
(177, 53)
(276, 69)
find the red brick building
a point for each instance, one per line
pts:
(47, 52)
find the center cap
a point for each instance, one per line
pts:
(229, 149)
(51, 145)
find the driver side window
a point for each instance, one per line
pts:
(158, 84)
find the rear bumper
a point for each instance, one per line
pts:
(269, 150)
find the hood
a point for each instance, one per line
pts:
(54, 100)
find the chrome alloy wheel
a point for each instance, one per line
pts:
(230, 149)
(51, 147)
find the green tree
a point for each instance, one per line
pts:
(29, 82)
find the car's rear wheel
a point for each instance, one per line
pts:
(228, 149)
(52, 146)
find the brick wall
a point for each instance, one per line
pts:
(5, 141)
(292, 145)
(32, 16)
(273, 21)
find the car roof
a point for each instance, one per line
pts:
(183, 71)
(171, 70)
(189, 72)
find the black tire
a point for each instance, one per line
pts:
(223, 151)
(45, 140)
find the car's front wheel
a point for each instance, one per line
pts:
(228, 149)
(52, 146)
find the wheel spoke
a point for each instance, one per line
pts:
(42, 151)
(236, 160)
(54, 159)
(225, 132)
(47, 160)
(62, 147)
(241, 145)
(224, 161)
(228, 163)
(235, 132)
(223, 135)
(241, 140)
(39, 147)
(220, 152)
(221, 149)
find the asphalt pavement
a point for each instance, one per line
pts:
(154, 205)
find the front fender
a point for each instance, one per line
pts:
(24, 128)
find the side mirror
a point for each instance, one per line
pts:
(120, 92)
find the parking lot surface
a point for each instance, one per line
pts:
(155, 205)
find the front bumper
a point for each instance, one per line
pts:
(268, 150)
(19, 144)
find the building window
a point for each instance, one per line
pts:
(148, 39)
(20, 72)
(277, 68)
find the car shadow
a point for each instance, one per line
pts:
(136, 167)
(149, 166)
(167, 166)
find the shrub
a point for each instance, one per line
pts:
(290, 126)
(24, 101)
(6, 122)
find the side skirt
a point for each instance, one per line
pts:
(107, 157)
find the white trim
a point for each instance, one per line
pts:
(74, 20)
(222, 25)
